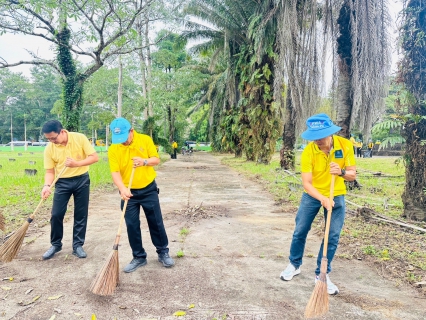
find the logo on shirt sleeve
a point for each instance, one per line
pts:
(338, 154)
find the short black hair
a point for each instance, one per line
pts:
(52, 126)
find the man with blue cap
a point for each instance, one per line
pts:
(130, 150)
(326, 155)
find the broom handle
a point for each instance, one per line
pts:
(123, 212)
(327, 225)
(31, 217)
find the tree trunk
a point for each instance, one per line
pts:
(344, 101)
(287, 154)
(72, 93)
(414, 196)
(120, 88)
(344, 87)
(412, 72)
(148, 67)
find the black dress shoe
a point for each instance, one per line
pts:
(51, 252)
(79, 252)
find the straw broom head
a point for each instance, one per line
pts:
(108, 277)
(318, 303)
(10, 248)
(2, 224)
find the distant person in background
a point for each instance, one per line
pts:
(174, 146)
(358, 148)
(354, 143)
(370, 148)
(74, 151)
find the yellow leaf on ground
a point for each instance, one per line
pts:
(6, 288)
(55, 297)
(36, 298)
(191, 306)
(94, 317)
(179, 313)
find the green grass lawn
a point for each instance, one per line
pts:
(20, 193)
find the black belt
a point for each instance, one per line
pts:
(76, 177)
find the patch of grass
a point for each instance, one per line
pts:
(21, 193)
(180, 254)
(370, 250)
(184, 232)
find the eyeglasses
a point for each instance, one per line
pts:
(53, 139)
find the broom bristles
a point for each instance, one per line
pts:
(108, 277)
(10, 248)
(2, 223)
(318, 303)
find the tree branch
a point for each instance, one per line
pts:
(4, 64)
(34, 14)
(28, 33)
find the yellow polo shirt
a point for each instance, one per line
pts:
(120, 160)
(78, 147)
(315, 161)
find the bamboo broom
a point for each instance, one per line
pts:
(318, 303)
(2, 224)
(108, 277)
(10, 248)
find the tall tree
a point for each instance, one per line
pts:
(298, 70)
(242, 32)
(102, 26)
(363, 51)
(413, 74)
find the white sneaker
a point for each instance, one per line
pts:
(331, 287)
(289, 272)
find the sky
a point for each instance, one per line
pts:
(13, 47)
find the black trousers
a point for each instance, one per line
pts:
(79, 188)
(147, 198)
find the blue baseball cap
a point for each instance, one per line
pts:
(120, 129)
(319, 127)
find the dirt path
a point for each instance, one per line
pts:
(237, 245)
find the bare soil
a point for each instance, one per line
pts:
(235, 240)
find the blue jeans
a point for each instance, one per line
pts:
(308, 209)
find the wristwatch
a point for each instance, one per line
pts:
(145, 162)
(343, 173)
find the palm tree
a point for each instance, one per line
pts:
(413, 74)
(363, 63)
(243, 34)
(298, 70)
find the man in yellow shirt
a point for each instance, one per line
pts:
(130, 150)
(174, 146)
(354, 143)
(73, 151)
(370, 147)
(325, 156)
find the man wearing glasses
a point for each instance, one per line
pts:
(73, 151)
(130, 150)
